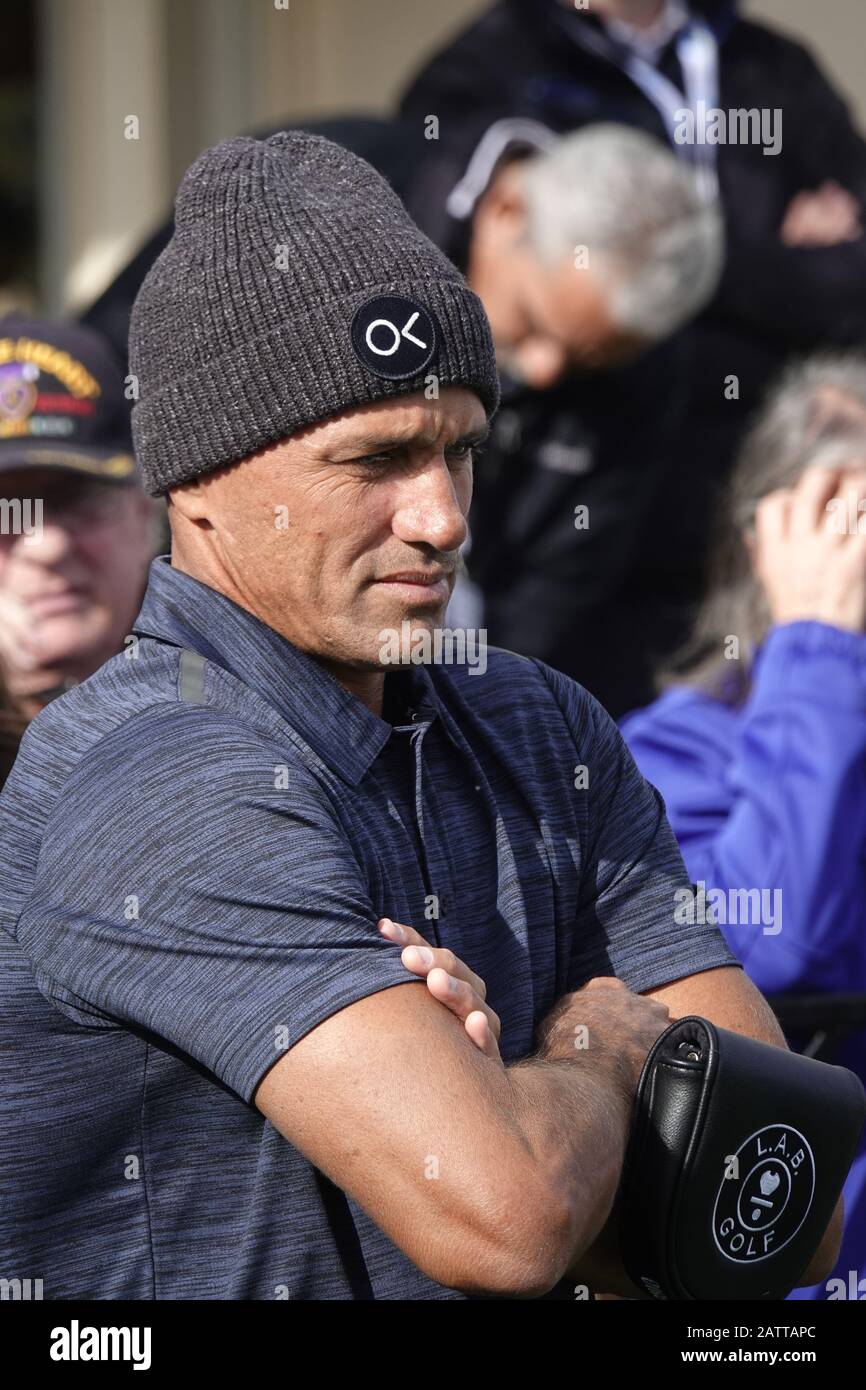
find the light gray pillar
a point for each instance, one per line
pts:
(103, 69)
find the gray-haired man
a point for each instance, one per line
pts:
(588, 251)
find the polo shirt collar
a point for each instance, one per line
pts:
(344, 734)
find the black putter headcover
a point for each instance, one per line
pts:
(736, 1158)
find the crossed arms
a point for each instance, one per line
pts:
(389, 1091)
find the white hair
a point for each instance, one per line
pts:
(637, 210)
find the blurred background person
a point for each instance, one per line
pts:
(795, 271)
(77, 532)
(586, 255)
(759, 748)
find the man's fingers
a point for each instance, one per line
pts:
(398, 931)
(604, 982)
(451, 982)
(420, 964)
(460, 998)
(425, 958)
(478, 1029)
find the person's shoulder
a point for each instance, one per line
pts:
(759, 42)
(682, 717)
(173, 741)
(71, 728)
(485, 672)
(174, 776)
(132, 727)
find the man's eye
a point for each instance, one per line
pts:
(457, 452)
(466, 451)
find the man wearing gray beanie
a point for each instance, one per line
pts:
(210, 845)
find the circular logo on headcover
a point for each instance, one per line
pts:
(394, 336)
(763, 1204)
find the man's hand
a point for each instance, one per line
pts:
(604, 1016)
(625, 1026)
(451, 982)
(825, 216)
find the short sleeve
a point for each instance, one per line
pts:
(194, 885)
(636, 899)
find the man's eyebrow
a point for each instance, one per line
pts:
(375, 444)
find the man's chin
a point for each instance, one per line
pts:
(407, 641)
(398, 639)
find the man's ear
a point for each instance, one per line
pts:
(188, 500)
(750, 541)
(502, 205)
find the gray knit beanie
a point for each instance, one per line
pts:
(295, 285)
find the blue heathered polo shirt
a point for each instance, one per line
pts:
(195, 849)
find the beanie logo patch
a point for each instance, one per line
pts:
(393, 336)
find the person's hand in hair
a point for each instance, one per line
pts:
(809, 548)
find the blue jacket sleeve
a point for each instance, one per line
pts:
(772, 798)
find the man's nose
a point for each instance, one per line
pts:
(48, 542)
(429, 510)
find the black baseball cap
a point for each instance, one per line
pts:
(62, 402)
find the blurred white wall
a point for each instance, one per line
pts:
(195, 71)
(192, 72)
(101, 60)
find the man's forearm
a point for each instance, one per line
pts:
(574, 1116)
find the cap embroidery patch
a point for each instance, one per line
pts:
(30, 402)
(393, 336)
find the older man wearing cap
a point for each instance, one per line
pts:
(76, 531)
(205, 847)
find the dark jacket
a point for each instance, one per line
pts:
(557, 582)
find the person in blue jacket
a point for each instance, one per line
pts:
(759, 746)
